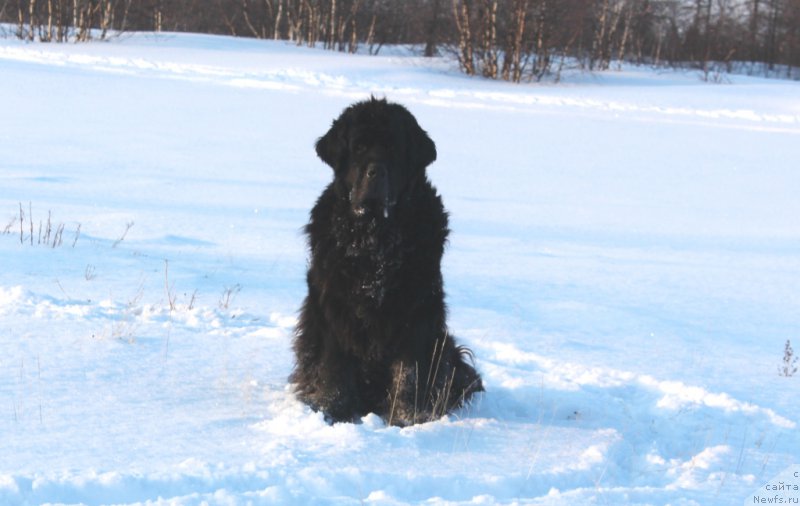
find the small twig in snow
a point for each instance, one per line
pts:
(122, 238)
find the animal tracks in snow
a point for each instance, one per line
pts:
(276, 71)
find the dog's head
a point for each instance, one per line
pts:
(378, 153)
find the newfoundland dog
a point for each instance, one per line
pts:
(372, 337)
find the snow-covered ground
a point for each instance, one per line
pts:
(624, 261)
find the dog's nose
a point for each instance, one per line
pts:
(375, 169)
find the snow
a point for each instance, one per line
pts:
(624, 263)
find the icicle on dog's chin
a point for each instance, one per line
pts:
(387, 202)
(388, 207)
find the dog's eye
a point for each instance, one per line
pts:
(360, 148)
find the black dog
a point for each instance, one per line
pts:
(372, 335)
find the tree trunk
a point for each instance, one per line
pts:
(433, 30)
(600, 36)
(489, 46)
(371, 33)
(105, 22)
(625, 34)
(542, 52)
(278, 17)
(246, 15)
(331, 42)
(32, 15)
(461, 10)
(753, 50)
(512, 67)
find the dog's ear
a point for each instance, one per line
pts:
(331, 146)
(423, 150)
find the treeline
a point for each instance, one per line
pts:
(513, 40)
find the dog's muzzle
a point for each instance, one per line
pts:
(372, 192)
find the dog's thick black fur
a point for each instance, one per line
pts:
(371, 336)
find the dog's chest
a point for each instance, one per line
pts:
(374, 254)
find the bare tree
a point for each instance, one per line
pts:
(512, 62)
(434, 24)
(462, 10)
(489, 49)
